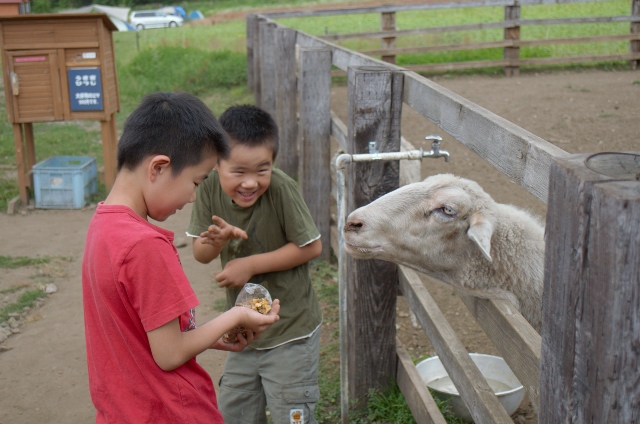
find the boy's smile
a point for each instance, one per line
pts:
(246, 174)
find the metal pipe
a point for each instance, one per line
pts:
(341, 163)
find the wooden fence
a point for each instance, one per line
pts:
(588, 338)
(511, 43)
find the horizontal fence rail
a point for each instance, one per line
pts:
(511, 44)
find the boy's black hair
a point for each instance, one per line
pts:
(251, 126)
(178, 125)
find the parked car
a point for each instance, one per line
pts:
(175, 10)
(142, 19)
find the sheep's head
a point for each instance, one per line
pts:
(429, 226)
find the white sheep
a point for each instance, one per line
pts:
(450, 229)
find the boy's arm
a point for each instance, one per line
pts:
(204, 253)
(171, 347)
(238, 271)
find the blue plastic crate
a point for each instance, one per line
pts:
(64, 182)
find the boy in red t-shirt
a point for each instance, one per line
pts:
(140, 328)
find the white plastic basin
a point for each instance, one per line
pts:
(494, 369)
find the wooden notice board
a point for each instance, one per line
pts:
(59, 67)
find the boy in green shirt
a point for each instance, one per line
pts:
(255, 218)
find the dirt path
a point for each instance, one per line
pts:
(43, 373)
(43, 376)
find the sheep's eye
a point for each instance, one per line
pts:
(448, 210)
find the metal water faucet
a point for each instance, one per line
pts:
(435, 151)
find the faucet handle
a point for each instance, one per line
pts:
(435, 142)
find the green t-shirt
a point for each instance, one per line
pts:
(278, 217)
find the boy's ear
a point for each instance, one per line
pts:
(157, 165)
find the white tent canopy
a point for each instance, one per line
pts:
(121, 13)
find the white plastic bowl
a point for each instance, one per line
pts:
(494, 369)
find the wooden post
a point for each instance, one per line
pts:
(30, 152)
(257, 54)
(388, 23)
(374, 112)
(109, 150)
(268, 67)
(286, 100)
(511, 33)
(21, 167)
(591, 301)
(634, 45)
(315, 143)
(252, 27)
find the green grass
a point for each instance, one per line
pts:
(29, 296)
(26, 299)
(11, 262)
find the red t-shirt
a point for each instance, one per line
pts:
(132, 283)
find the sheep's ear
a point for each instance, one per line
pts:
(480, 232)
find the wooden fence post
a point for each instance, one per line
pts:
(511, 33)
(591, 301)
(388, 23)
(252, 25)
(374, 112)
(255, 43)
(634, 45)
(315, 138)
(268, 67)
(286, 99)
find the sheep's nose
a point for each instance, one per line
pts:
(354, 225)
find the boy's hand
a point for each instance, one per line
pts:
(239, 344)
(236, 273)
(254, 321)
(221, 232)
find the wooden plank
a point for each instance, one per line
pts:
(257, 59)
(511, 34)
(252, 26)
(388, 23)
(591, 325)
(342, 57)
(109, 150)
(521, 62)
(503, 43)
(268, 67)
(518, 343)
(634, 46)
(374, 112)
(21, 170)
(339, 131)
(473, 388)
(314, 105)
(421, 403)
(30, 152)
(478, 26)
(522, 156)
(286, 100)
(413, 7)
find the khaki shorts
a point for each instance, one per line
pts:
(284, 378)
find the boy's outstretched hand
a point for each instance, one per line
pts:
(254, 324)
(221, 232)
